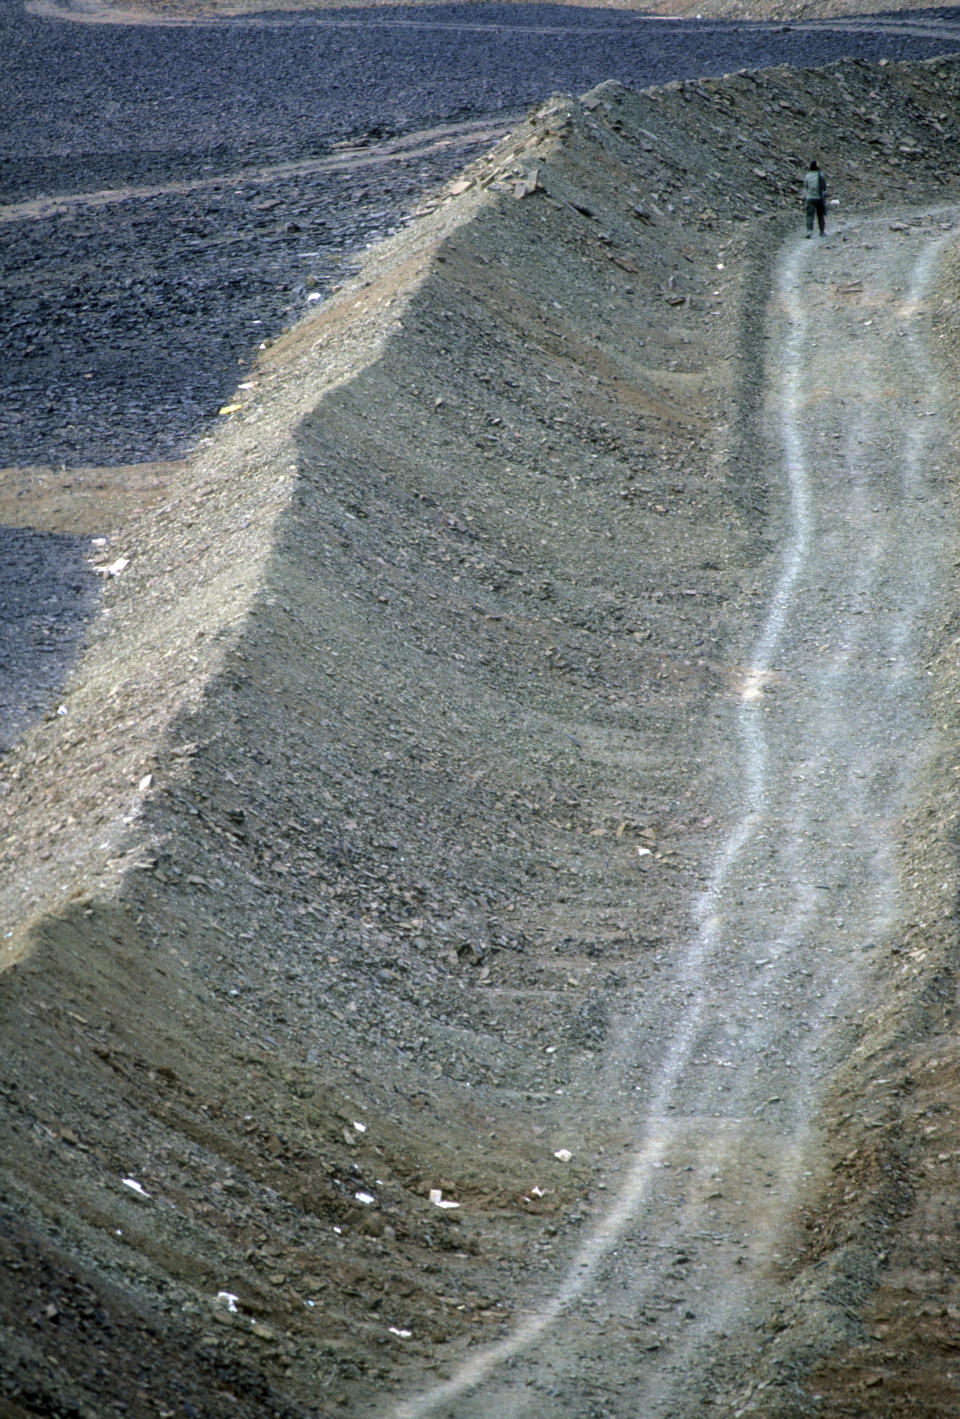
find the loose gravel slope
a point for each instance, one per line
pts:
(471, 756)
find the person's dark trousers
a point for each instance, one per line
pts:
(815, 209)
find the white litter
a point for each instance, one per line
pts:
(115, 568)
(643, 852)
(228, 1300)
(438, 1199)
(364, 1197)
(563, 1154)
(134, 1186)
(404, 1334)
(360, 1127)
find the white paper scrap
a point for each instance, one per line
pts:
(438, 1199)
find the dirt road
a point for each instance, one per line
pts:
(827, 738)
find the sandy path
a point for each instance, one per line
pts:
(826, 739)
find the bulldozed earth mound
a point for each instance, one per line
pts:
(385, 783)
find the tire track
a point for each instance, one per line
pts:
(262, 15)
(774, 984)
(424, 144)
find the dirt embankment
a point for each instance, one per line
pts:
(389, 775)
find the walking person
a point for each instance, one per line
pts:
(815, 196)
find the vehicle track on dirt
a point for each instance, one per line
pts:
(828, 734)
(426, 143)
(333, 14)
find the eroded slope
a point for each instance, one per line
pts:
(325, 890)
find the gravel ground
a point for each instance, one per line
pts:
(430, 753)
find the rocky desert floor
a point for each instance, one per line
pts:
(480, 873)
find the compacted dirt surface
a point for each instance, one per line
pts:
(479, 919)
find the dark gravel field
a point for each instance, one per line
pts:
(126, 323)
